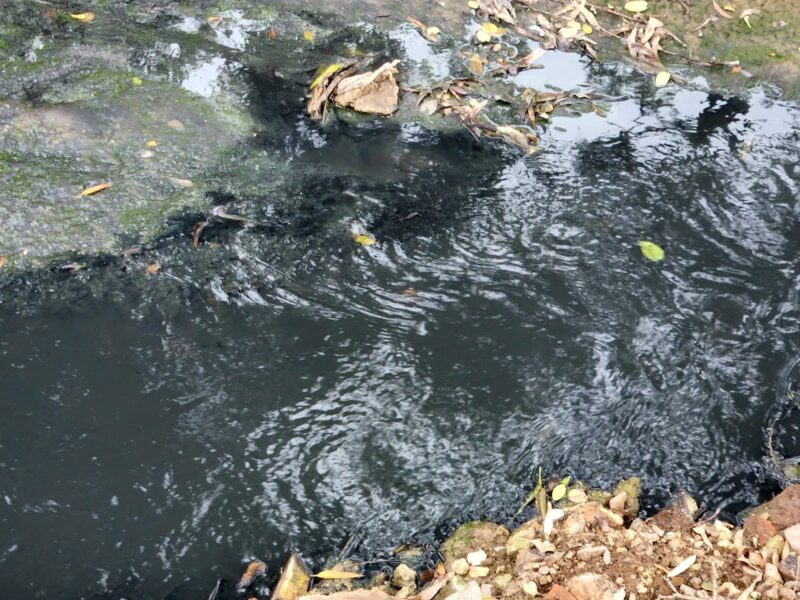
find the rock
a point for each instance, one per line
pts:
(460, 566)
(631, 487)
(530, 588)
(471, 592)
(404, 576)
(591, 586)
(792, 536)
(293, 582)
(558, 592)
(350, 595)
(758, 530)
(618, 502)
(789, 568)
(405, 592)
(591, 515)
(476, 572)
(771, 573)
(599, 496)
(476, 558)
(501, 581)
(678, 516)
(523, 537)
(783, 510)
(472, 536)
(588, 552)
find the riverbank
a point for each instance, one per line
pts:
(590, 545)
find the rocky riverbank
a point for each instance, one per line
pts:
(589, 545)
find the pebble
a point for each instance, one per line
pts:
(460, 566)
(476, 558)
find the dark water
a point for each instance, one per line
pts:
(281, 387)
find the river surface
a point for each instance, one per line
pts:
(281, 387)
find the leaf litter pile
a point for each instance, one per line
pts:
(581, 544)
(484, 94)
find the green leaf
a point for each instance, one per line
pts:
(559, 492)
(651, 250)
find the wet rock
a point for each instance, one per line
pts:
(591, 586)
(293, 582)
(472, 536)
(404, 577)
(631, 487)
(679, 515)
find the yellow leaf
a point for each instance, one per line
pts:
(475, 64)
(490, 28)
(331, 574)
(95, 188)
(587, 29)
(483, 36)
(432, 31)
(636, 6)
(663, 78)
(729, 8)
(308, 35)
(651, 250)
(746, 20)
(325, 73)
(85, 17)
(151, 144)
(568, 32)
(559, 492)
(364, 240)
(473, 4)
(214, 20)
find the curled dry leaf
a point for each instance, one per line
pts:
(553, 515)
(95, 188)
(682, 566)
(374, 92)
(198, 229)
(256, 568)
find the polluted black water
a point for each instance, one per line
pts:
(281, 387)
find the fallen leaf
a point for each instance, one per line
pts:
(473, 4)
(553, 515)
(745, 15)
(84, 17)
(136, 80)
(152, 269)
(374, 92)
(175, 124)
(729, 8)
(308, 35)
(364, 240)
(151, 144)
(559, 492)
(146, 154)
(324, 74)
(432, 31)
(198, 229)
(483, 36)
(431, 590)
(333, 574)
(577, 496)
(180, 182)
(651, 250)
(682, 566)
(662, 78)
(2, 261)
(568, 32)
(475, 64)
(95, 188)
(256, 568)
(636, 6)
(587, 29)
(214, 20)
(491, 28)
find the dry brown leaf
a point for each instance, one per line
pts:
(475, 64)
(214, 20)
(437, 584)
(2, 261)
(84, 17)
(374, 92)
(152, 269)
(334, 574)
(256, 568)
(198, 229)
(95, 188)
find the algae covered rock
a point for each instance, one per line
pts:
(294, 580)
(472, 536)
(631, 487)
(523, 537)
(404, 577)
